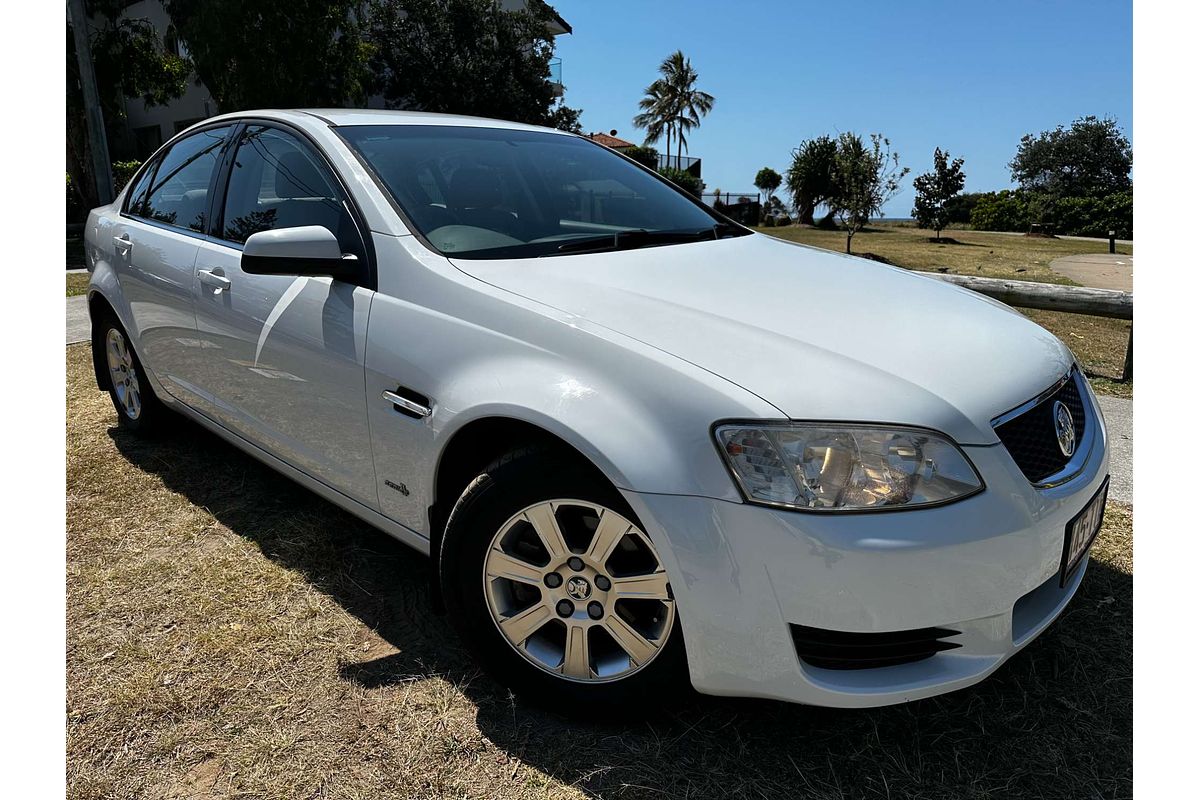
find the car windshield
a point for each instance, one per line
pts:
(498, 193)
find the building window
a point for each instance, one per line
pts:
(147, 140)
(173, 44)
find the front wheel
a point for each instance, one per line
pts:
(558, 591)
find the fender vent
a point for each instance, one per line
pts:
(826, 649)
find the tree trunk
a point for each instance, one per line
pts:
(804, 211)
(849, 236)
(78, 163)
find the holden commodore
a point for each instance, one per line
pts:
(643, 446)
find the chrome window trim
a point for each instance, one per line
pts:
(1076, 463)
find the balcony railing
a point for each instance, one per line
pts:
(556, 71)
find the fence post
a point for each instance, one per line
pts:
(1112, 241)
(1127, 374)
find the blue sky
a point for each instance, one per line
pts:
(969, 76)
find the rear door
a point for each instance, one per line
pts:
(155, 242)
(280, 358)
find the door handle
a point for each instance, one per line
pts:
(123, 242)
(404, 403)
(211, 278)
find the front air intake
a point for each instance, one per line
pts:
(826, 649)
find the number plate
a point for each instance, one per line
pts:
(1081, 532)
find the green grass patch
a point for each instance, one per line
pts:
(77, 283)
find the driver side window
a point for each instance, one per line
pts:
(277, 181)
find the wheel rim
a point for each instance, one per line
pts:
(123, 375)
(578, 590)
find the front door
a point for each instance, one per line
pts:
(281, 358)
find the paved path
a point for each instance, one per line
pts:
(1098, 270)
(1118, 418)
(79, 325)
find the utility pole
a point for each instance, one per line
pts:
(97, 139)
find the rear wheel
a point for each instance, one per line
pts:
(558, 591)
(138, 409)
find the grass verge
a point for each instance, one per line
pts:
(229, 634)
(77, 283)
(1098, 342)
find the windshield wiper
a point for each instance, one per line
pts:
(633, 239)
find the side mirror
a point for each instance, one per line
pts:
(308, 250)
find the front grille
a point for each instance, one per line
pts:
(842, 650)
(1031, 438)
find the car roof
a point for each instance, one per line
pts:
(374, 116)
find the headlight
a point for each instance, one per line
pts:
(845, 467)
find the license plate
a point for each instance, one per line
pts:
(1081, 532)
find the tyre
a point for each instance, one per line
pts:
(557, 590)
(138, 409)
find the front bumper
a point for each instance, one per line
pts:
(987, 566)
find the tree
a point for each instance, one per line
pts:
(672, 104)
(655, 116)
(129, 61)
(276, 53)
(810, 178)
(865, 178)
(565, 118)
(767, 181)
(934, 191)
(1092, 158)
(467, 57)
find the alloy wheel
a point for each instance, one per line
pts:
(123, 374)
(578, 590)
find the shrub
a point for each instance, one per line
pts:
(1069, 216)
(1092, 216)
(646, 156)
(768, 222)
(959, 207)
(122, 171)
(683, 179)
(1001, 211)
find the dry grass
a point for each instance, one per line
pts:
(1098, 342)
(77, 283)
(231, 635)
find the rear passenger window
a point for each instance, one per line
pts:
(137, 193)
(279, 182)
(178, 193)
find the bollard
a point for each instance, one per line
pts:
(1112, 241)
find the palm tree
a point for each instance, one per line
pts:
(673, 105)
(655, 115)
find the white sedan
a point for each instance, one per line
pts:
(642, 444)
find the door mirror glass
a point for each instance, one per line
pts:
(307, 250)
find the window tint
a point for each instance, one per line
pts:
(499, 193)
(279, 182)
(137, 193)
(179, 192)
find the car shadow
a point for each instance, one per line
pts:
(1055, 721)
